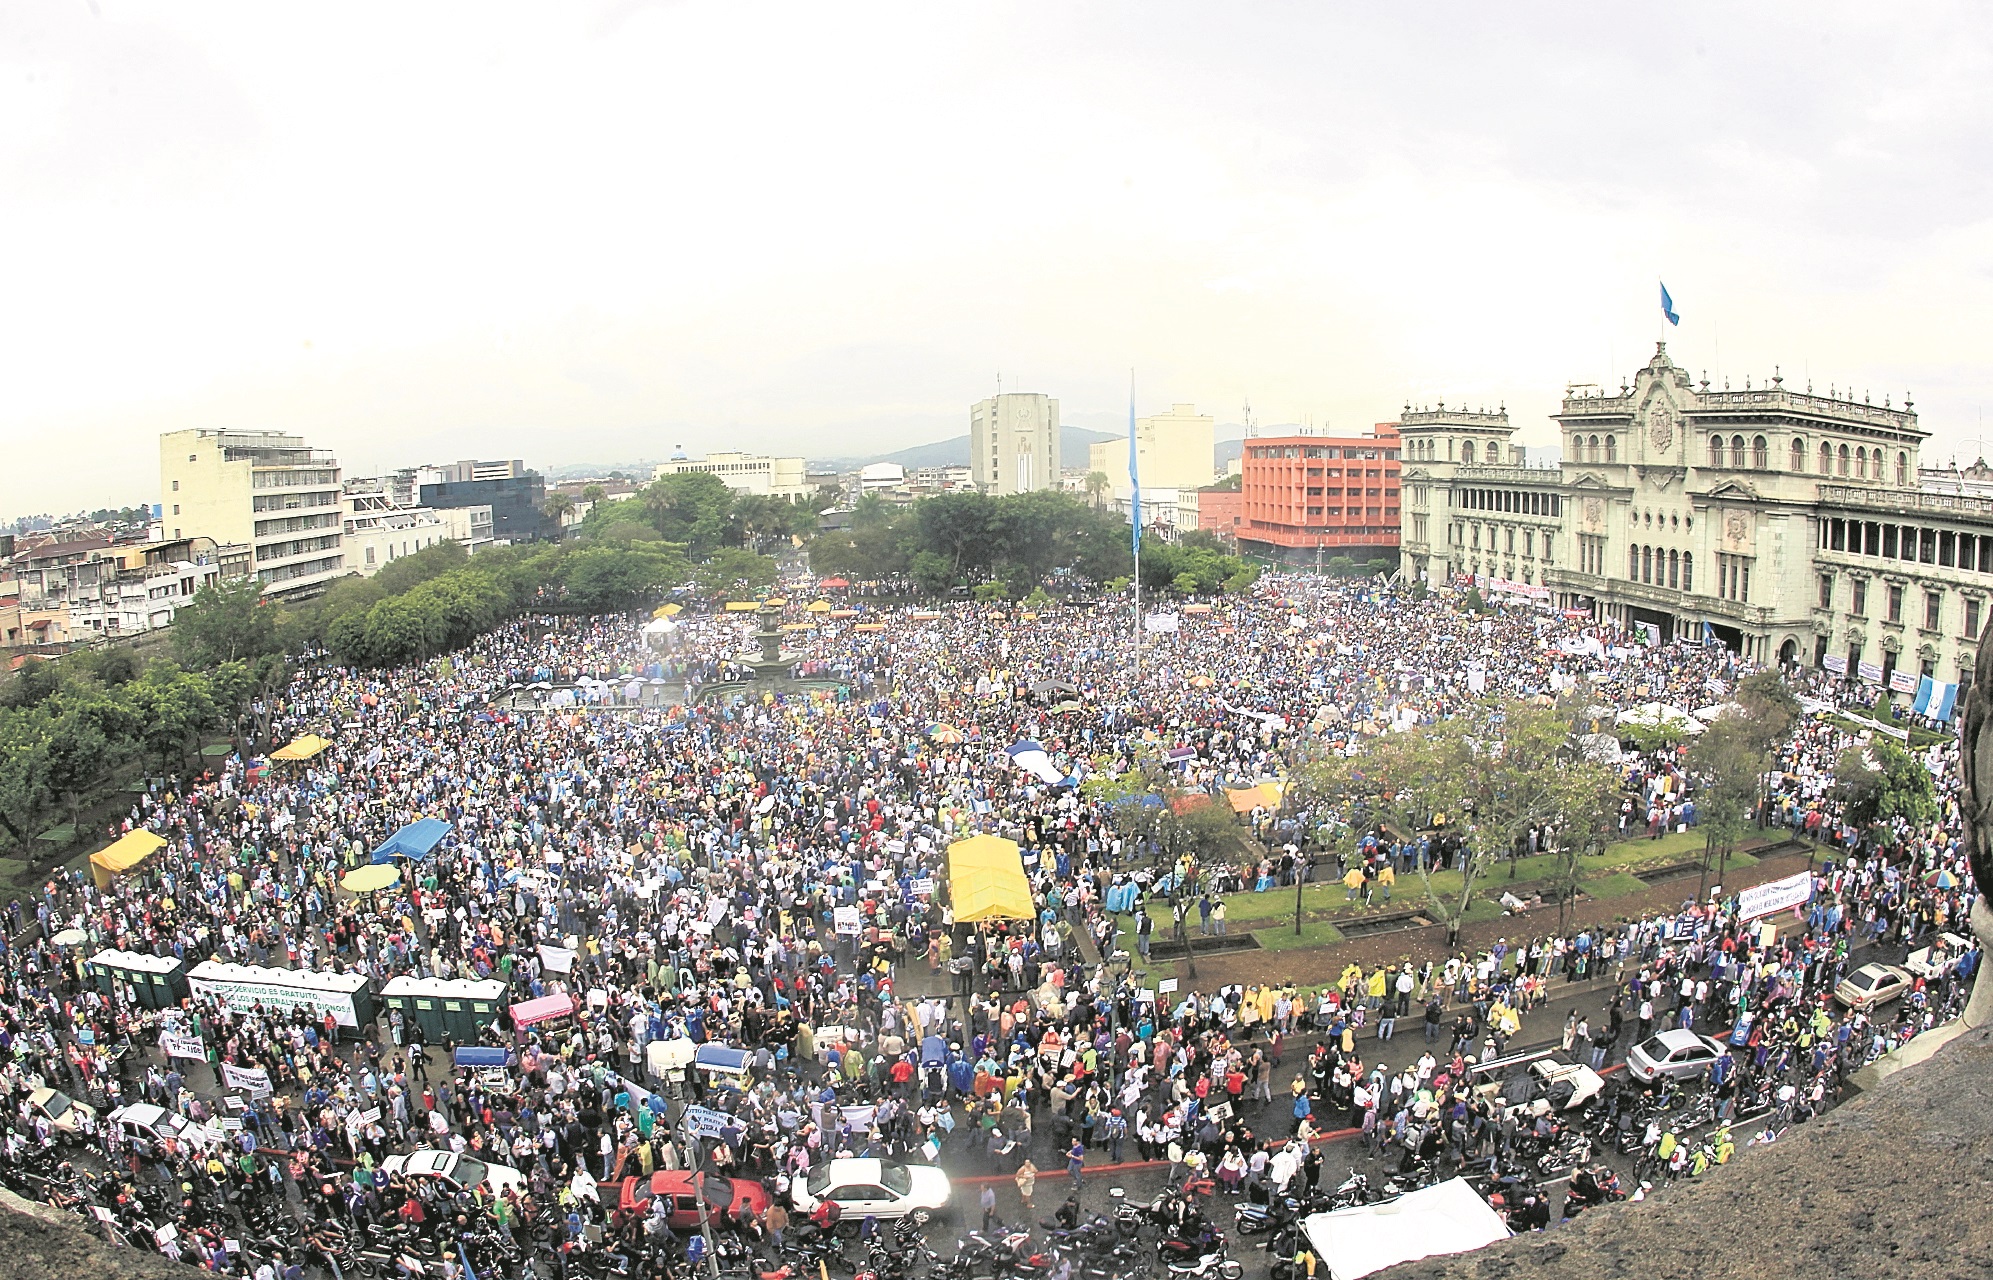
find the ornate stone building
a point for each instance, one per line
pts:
(1787, 525)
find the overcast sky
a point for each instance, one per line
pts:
(572, 232)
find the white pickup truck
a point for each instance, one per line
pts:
(1938, 959)
(1538, 1082)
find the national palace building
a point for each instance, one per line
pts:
(1787, 525)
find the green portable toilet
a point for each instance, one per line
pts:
(151, 982)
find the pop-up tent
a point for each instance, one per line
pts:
(416, 840)
(132, 848)
(303, 749)
(1450, 1217)
(986, 880)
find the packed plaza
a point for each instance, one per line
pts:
(594, 972)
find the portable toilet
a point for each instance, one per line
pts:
(151, 982)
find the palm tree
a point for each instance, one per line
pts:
(1097, 484)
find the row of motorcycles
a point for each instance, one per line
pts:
(1167, 1236)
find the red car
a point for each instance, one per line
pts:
(725, 1197)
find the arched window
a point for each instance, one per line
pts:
(1674, 568)
(1633, 564)
(1716, 451)
(1761, 453)
(1902, 469)
(1647, 564)
(1611, 449)
(1467, 451)
(1737, 452)
(1593, 456)
(1799, 455)
(1826, 459)
(1842, 460)
(1861, 464)
(1688, 571)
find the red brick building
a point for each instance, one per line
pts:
(1338, 494)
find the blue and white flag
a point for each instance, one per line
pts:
(1134, 478)
(1668, 306)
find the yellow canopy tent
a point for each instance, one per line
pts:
(373, 876)
(818, 606)
(742, 606)
(131, 849)
(303, 749)
(986, 880)
(1245, 800)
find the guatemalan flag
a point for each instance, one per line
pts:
(1668, 306)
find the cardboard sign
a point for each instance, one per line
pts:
(176, 1046)
(1166, 986)
(846, 919)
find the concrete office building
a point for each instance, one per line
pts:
(1014, 443)
(1174, 450)
(746, 473)
(269, 490)
(1788, 525)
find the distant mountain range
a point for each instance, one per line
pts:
(1073, 442)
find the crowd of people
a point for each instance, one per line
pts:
(768, 872)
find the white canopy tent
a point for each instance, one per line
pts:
(1450, 1217)
(1655, 715)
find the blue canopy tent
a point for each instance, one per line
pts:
(416, 840)
(721, 1058)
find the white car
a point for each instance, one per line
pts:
(458, 1173)
(1678, 1053)
(146, 1123)
(64, 1114)
(879, 1188)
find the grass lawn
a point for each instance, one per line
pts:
(1604, 876)
(1314, 933)
(1616, 885)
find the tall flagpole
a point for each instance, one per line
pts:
(1135, 524)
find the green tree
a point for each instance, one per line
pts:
(1882, 782)
(225, 622)
(36, 681)
(691, 508)
(734, 571)
(1727, 762)
(1097, 485)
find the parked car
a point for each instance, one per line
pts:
(880, 1188)
(725, 1197)
(458, 1173)
(1871, 985)
(1678, 1054)
(1940, 958)
(63, 1113)
(142, 1122)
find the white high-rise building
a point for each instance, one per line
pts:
(1014, 443)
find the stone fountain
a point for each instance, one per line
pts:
(773, 666)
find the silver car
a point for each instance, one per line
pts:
(1678, 1054)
